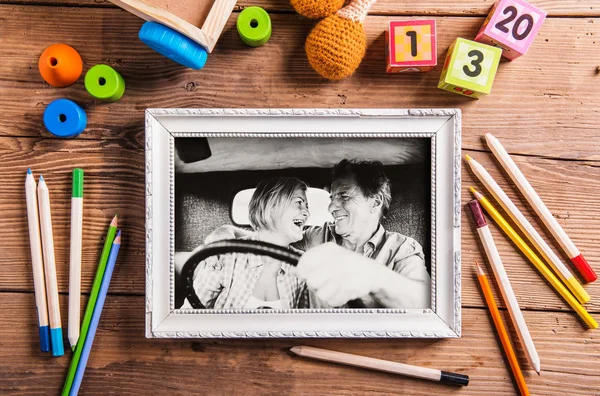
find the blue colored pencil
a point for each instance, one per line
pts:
(89, 339)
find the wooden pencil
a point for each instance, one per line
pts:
(89, 338)
(536, 240)
(37, 263)
(56, 337)
(508, 295)
(89, 309)
(541, 209)
(502, 333)
(535, 260)
(75, 257)
(381, 365)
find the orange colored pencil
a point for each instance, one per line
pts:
(506, 345)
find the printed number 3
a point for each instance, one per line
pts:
(515, 29)
(475, 62)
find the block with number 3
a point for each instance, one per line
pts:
(411, 46)
(511, 25)
(470, 68)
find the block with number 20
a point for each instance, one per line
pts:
(470, 68)
(511, 25)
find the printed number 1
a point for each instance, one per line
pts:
(413, 42)
(475, 62)
(515, 29)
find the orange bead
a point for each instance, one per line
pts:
(60, 65)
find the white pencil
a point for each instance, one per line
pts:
(50, 269)
(37, 263)
(508, 295)
(381, 365)
(540, 208)
(75, 258)
(530, 232)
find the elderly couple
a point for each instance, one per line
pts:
(352, 259)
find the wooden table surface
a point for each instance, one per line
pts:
(544, 107)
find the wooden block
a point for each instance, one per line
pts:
(411, 46)
(511, 25)
(470, 68)
(212, 26)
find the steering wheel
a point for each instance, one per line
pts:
(237, 246)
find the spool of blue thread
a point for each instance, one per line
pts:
(64, 118)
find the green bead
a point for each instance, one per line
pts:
(104, 83)
(254, 26)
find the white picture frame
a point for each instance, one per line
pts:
(441, 320)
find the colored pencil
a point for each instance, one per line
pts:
(37, 264)
(75, 258)
(535, 260)
(56, 339)
(541, 209)
(536, 240)
(508, 295)
(89, 309)
(502, 333)
(381, 365)
(89, 338)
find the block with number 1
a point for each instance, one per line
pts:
(411, 46)
(470, 68)
(511, 25)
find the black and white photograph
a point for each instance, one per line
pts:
(302, 223)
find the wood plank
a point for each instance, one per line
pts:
(114, 182)
(124, 362)
(386, 7)
(548, 119)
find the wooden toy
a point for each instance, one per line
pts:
(176, 33)
(470, 68)
(254, 26)
(60, 65)
(411, 46)
(104, 83)
(512, 26)
(64, 118)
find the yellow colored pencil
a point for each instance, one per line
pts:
(535, 260)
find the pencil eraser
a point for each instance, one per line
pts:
(44, 338)
(454, 378)
(584, 268)
(477, 213)
(56, 337)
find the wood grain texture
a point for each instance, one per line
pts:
(383, 7)
(124, 362)
(115, 184)
(543, 107)
(543, 102)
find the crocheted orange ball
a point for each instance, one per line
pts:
(336, 46)
(315, 9)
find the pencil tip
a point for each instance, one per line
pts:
(479, 269)
(468, 157)
(73, 347)
(29, 171)
(41, 178)
(472, 189)
(114, 221)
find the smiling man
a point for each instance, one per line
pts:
(355, 258)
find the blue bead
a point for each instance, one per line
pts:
(64, 118)
(173, 45)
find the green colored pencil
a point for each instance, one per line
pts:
(89, 309)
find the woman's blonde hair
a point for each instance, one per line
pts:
(270, 199)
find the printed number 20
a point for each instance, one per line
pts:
(515, 29)
(476, 63)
